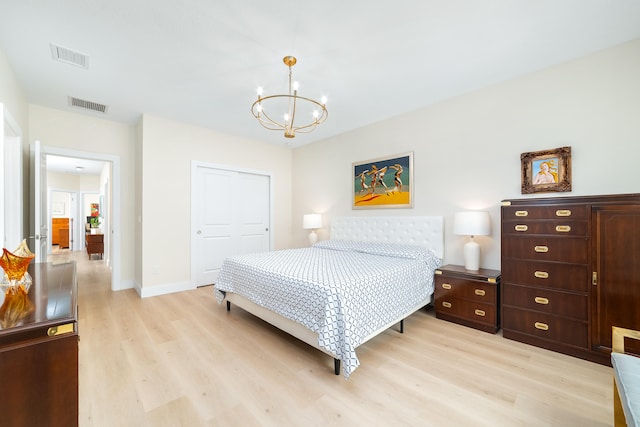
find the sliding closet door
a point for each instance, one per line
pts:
(230, 216)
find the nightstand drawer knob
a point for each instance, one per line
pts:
(521, 228)
(541, 300)
(541, 326)
(479, 312)
(480, 292)
(446, 304)
(563, 212)
(541, 274)
(446, 286)
(541, 249)
(522, 213)
(563, 228)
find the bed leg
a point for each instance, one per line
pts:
(402, 326)
(336, 366)
(228, 306)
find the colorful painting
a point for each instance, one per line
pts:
(548, 170)
(385, 182)
(95, 209)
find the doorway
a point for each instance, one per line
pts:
(113, 256)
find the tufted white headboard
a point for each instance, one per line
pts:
(415, 230)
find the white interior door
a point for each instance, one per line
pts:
(39, 201)
(11, 224)
(230, 216)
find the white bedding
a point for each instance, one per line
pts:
(341, 290)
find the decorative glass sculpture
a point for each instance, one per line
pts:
(15, 284)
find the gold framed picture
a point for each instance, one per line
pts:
(546, 171)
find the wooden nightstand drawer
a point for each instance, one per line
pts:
(546, 326)
(451, 287)
(564, 304)
(542, 248)
(467, 310)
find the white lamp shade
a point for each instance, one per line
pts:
(312, 221)
(471, 223)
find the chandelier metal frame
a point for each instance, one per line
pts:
(288, 123)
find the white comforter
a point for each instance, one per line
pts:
(341, 290)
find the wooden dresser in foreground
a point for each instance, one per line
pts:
(39, 354)
(470, 298)
(571, 271)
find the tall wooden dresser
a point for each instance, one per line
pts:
(39, 353)
(570, 271)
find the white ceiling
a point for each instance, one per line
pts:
(74, 166)
(199, 61)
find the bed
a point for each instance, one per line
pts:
(371, 274)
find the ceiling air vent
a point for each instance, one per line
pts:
(69, 56)
(87, 105)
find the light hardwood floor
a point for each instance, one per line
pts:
(183, 360)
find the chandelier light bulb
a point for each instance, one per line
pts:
(323, 100)
(316, 114)
(296, 85)
(286, 117)
(259, 108)
(259, 90)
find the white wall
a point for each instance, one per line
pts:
(467, 150)
(166, 149)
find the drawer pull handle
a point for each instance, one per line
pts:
(446, 286)
(480, 292)
(563, 228)
(522, 213)
(541, 326)
(541, 300)
(521, 228)
(541, 274)
(60, 329)
(480, 312)
(541, 249)
(563, 212)
(446, 304)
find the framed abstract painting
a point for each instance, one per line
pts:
(385, 182)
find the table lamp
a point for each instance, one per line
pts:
(471, 223)
(312, 222)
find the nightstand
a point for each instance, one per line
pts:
(470, 298)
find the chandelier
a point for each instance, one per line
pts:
(286, 106)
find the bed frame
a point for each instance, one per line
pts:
(416, 230)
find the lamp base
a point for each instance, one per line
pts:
(313, 237)
(471, 253)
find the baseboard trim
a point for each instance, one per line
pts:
(167, 288)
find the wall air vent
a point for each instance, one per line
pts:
(87, 105)
(69, 56)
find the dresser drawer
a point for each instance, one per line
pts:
(546, 326)
(451, 287)
(570, 277)
(550, 227)
(547, 301)
(563, 249)
(469, 310)
(545, 212)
